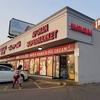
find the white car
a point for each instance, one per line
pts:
(7, 73)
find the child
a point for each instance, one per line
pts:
(17, 76)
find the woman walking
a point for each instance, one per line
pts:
(17, 77)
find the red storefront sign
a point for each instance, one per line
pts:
(40, 31)
(3, 50)
(22, 56)
(14, 46)
(37, 38)
(56, 50)
(81, 29)
(44, 38)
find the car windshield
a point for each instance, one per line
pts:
(4, 68)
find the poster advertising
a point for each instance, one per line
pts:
(20, 62)
(43, 66)
(71, 66)
(26, 64)
(57, 66)
(36, 66)
(31, 70)
(49, 65)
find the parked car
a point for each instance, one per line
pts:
(6, 64)
(7, 73)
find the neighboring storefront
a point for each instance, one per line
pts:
(60, 38)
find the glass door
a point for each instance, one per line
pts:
(56, 66)
(63, 67)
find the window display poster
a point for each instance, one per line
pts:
(71, 66)
(36, 66)
(54, 67)
(57, 66)
(43, 66)
(49, 65)
(20, 62)
(17, 63)
(31, 70)
(26, 64)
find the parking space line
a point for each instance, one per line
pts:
(54, 87)
(37, 85)
(36, 89)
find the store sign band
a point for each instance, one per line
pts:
(37, 38)
(56, 50)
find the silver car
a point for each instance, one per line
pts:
(7, 73)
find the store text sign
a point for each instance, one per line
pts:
(11, 47)
(56, 50)
(82, 29)
(3, 50)
(15, 46)
(39, 37)
(40, 31)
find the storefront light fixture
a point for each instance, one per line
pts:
(39, 48)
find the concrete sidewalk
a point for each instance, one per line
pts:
(54, 81)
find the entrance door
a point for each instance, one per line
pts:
(63, 67)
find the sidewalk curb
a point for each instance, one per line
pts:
(44, 81)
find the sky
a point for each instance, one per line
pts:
(34, 11)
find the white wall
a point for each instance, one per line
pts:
(89, 60)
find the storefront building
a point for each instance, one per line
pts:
(69, 48)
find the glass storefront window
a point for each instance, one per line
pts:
(31, 70)
(17, 63)
(43, 66)
(36, 66)
(20, 62)
(14, 64)
(71, 66)
(56, 67)
(49, 65)
(26, 64)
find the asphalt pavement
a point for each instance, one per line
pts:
(84, 92)
(39, 90)
(29, 84)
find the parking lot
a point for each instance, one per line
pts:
(39, 90)
(29, 84)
